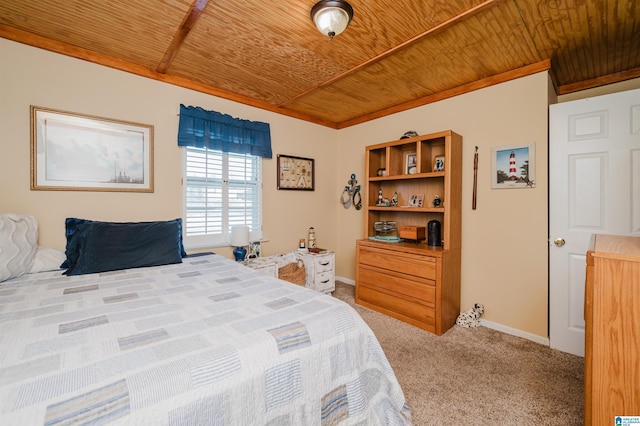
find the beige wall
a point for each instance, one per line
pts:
(504, 258)
(30, 76)
(504, 241)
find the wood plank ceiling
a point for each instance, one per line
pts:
(395, 54)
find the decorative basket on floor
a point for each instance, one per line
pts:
(293, 272)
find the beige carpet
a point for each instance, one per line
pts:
(478, 376)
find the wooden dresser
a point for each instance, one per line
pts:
(612, 339)
(414, 283)
(414, 280)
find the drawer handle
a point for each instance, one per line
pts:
(324, 282)
(324, 264)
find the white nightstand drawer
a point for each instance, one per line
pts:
(325, 282)
(324, 263)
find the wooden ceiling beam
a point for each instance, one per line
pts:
(187, 24)
(430, 32)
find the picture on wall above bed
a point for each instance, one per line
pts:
(78, 152)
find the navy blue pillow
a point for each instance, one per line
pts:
(106, 246)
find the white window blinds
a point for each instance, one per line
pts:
(220, 190)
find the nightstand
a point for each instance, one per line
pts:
(320, 268)
(263, 265)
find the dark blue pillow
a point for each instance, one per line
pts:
(106, 246)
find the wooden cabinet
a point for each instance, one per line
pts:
(612, 338)
(413, 281)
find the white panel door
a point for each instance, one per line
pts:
(594, 188)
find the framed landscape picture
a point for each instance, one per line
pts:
(78, 152)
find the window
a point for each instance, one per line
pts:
(221, 190)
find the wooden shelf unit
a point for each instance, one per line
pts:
(412, 281)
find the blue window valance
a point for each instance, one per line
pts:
(210, 129)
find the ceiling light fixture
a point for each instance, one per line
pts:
(331, 16)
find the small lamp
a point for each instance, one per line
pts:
(239, 238)
(331, 16)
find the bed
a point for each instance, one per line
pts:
(204, 341)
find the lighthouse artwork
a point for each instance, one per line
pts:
(513, 166)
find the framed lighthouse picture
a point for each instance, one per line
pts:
(513, 166)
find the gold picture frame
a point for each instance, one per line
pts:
(296, 173)
(79, 152)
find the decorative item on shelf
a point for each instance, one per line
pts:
(409, 134)
(351, 193)
(381, 171)
(416, 200)
(385, 231)
(312, 238)
(414, 233)
(301, 244)
(331, 17)
(436, 201)
(410, 164)
(382, 201)
(394, 199)
(438, 163)
(239, 239)
(433, 231)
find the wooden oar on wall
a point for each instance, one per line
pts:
(475, 180)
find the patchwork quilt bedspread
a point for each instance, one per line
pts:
(207, 342)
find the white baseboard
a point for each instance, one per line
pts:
(489, 324)
(346, 280)
(515, 332)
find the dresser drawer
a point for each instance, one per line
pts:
(414, 289)
(405, 263)
(399, 305)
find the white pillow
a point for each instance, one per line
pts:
(47, 259)
(18, 244)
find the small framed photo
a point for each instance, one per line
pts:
(410, 164)
(416, 200)
(513, 166)
(296, 173)
(438, 163)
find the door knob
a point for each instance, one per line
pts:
(559, 242)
